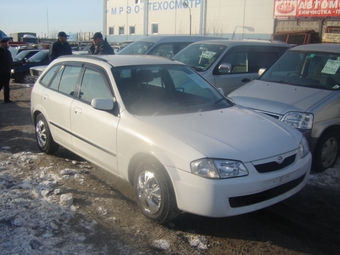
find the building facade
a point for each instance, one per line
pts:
(234, 19)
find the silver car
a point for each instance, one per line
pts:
(160, 126)
(302, 89)
(230, 64)
(160, 45)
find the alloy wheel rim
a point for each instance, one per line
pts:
(40, 130)
(149, 192)
(329, 152)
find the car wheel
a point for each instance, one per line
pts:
(26, 78)
(154, 191)
(326, 153)
(43, 136)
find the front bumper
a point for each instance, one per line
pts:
(229, 197)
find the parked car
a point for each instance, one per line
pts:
(230, 64)
(160, 126)
(21, 73)
(158, 45)
(35, 71)
(21, 57)
(302, 89)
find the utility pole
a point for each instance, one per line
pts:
(104, 18)
(146, 17)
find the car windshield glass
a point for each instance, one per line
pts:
(136, 48)
(200, 56)
(166, 90)
(308, 69)
(36, 58)
(20, 56)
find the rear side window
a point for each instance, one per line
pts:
(46, 79)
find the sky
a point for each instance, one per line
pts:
(48, 17)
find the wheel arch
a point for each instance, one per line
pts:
(335, 128)
(135, 160)
(34, 115)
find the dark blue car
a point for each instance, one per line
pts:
(21, 73)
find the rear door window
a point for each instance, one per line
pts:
(69, 79)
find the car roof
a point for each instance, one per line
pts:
(230, 43)
(175, 38)
(321, 47)
(121, 60)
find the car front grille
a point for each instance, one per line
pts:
(274, 166)
(265, 195)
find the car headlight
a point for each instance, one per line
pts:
(12, 71)
(303, 147)
(218, 168)
(300, 120)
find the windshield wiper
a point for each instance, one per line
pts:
(198, 68)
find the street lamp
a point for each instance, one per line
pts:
(250, 29)
(186, 5)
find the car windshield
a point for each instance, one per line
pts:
(136, 48)
(20, 56)
(166, 90)
(36, 58)
(308, 69)
(200, 56)
(24, 54)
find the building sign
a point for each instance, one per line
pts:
(153, 6)
(331, 38)
(306, 8)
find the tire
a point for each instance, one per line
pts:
(326, 152)
(43, 136)
(26, 78)
(154, 192)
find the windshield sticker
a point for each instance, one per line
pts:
(208, 54)
(331, 66)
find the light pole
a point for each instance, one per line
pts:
(186, 4)
(250, 29)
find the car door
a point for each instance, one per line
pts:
(245, 62)
(57, 99)
(94, 131)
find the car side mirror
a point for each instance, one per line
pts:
(105, 104)
(224, 68)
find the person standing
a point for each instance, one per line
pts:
(60, 47)
(6, 63)
(100, 46)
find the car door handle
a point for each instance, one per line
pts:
(245, 80)
(77, 110)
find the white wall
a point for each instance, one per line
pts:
(240, 19)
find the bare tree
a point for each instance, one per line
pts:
(216, 28)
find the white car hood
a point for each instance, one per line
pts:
(231, 133)
(277, 98)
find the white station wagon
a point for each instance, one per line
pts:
(160, 126)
